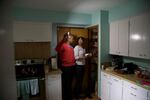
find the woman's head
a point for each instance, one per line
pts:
(68, 37)
(80, 40)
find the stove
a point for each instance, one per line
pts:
(30, 73)
(29, 68)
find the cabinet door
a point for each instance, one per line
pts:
(115, 89)
(104, 86)
(146, 35)
(54, 87)
(149, 95)
(24, 31)
(139, 36)
(119, 31)
(113, 47)
(134, 92)
(128, 95)
(123, 31)
(54, 91)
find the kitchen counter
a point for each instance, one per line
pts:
(48, 71)
(129, 77)
(53, 72)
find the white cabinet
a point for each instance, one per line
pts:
(105, 86)
(53, 87)
(111, 87)
(119, 31)
(115, 88)
(113, 45)
(149, 95)
(140, 36)
(134, 92)
(24, 31)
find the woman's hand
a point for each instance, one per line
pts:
(88, 54)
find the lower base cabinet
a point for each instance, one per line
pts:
(117, 88)
(134, 92)
(53, 87)
(148, 95)
(105, 86)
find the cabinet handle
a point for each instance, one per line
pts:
(42, 79)
(110, 83)
(105, 75)
(134, 88)
(116, 80)
(133, 94)
(117, 52)
(140, 55)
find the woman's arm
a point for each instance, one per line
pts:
(76, 52)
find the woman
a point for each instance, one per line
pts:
(79, 53)
(66, 56)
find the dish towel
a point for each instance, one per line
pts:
(24, 89)
(18, 89)
(34, 86)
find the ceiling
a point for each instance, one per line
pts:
(78, 6)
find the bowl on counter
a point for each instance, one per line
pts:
(142, 73)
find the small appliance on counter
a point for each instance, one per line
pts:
(52, 63)
(117, 61)
(126, 68)
(143, 73)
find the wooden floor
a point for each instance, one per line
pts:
(86, 98)
(93, 98)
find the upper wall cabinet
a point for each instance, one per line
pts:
(119, 31)
(31, 31)
(139, 45)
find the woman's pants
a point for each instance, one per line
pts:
(67, 78)
(79, 73)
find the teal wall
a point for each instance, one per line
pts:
(55, 17)
(96, 17)
(54, 39)
(132, 8)
(100, 18)
(104, 36)
(141, 62)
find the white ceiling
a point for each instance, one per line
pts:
(79, 6)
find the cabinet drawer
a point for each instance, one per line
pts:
(133, 95)
(53, 77)
(116, 80)
(136, 89)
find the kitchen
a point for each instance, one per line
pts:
(98, 17)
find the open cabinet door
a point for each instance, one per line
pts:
(93, 61)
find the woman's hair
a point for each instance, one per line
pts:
(80, 38)
(66, 36)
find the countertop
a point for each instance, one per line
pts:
(53, 72)
(129, 77)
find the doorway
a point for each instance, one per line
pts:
(90, 34)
